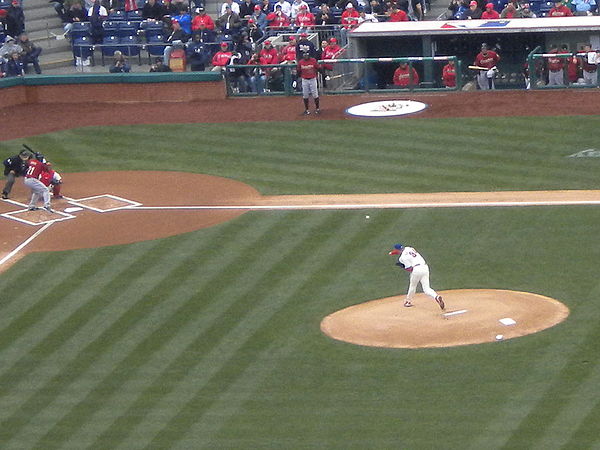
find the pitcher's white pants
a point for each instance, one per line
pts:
(420, 274)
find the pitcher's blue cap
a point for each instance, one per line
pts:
(398, 246)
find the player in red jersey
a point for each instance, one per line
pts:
(556, 66)
(35, 169)
(449, 74)
(489, 59)
(308, 69)
(405, 76)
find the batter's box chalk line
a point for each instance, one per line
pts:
(82, 202)
(13, 215)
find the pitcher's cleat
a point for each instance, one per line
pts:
(440, 302)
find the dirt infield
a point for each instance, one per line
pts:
(472, 316)
(60, 116)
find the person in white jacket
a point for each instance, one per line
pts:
(411, 261)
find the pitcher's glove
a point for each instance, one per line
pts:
(399, 264)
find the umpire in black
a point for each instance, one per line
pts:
(14, 167)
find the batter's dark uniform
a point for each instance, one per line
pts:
(14, 167)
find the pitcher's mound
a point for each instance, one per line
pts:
(472, 316)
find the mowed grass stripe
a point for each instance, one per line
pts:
(247, 334)
(185, 311)
(304, 293)
(45, 394)
(212, 348)
(17, 282)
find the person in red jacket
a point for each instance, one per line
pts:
(490, 13)
(202, 21)
(350, 17)
(267, 55)
(33, 173)
(288, 52)
(305, 19)
(396, 15)
(331, 51)
(277, 19)
(449, 74)
(405, 76)
(221, 58)
(308, 69)
(487, 59)
(560, 10)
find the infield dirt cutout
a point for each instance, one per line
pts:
(472, 316)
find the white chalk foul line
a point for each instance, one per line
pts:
(25, 243)
(374, 205)
(454, 313)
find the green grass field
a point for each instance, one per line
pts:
(211, 339)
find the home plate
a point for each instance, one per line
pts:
(73, 209)
(455, 313)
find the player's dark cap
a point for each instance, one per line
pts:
(398, 246)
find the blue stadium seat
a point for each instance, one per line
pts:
(110, 28)
(131, 46)
(81, 29)
(127, 29)
(158, 48)
(110, 44)
(151, 29)
(134, 15)
(83, 47)
(116, 16)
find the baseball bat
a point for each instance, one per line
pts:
(27, 147)
(478, 68)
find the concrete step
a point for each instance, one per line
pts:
(42, 24)
(56, 60)
(29, 4)
(42, 12)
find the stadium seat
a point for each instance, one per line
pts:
(131, 46)
(151, 29)
(158, 48)
(81, 29)
(110, 44)
(82, 47)
(116, 15)
(134, 15)
(110, 28)
(125, 29)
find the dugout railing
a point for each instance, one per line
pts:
(537, 68)
(348, 76)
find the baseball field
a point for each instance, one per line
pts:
(211, 338)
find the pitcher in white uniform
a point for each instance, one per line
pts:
(413, 262)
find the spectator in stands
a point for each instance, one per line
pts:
(176, 37)
(229, 23)
(560, 10)
(198, 53)
(97, 14)
(350, 17)
(253, 31)
(15, 19)
(9, 47)
(158, 66)
(584, 7)
(330, 50)
(267, 55)
(526, 12)
(247, 9)
(221, 59)
(233, 6)
(259, 17)
(286, 7)
(2, 67)
(288, 52)
(396, 15)
(238, 76)
(490, 13)
(14, 66)
(202, 21)
(456, 9)
(449, 74)
(509, 12)
(375, 8)
(75, 13)
(589, 65)
(185, 20)
(305, 20)
(119, 64)
(296, 5)
(305, 46)
(414, 9)
(30, 53)
(169, 8)
(366, 17)
(277, 19)
(405, 76)
(265, 7)
(324, 16)
(98, 10)
(244, 48)
(152, 10)
(555, 68)
(474, 12)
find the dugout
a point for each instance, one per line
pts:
(463, 38)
